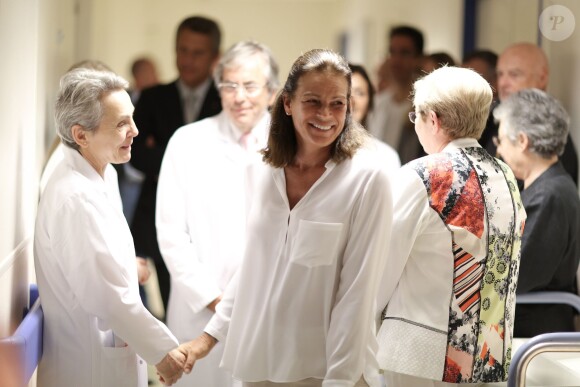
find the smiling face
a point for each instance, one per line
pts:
(246, 108)
(111, 141)
(318, 109)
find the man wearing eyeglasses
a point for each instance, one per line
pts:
(159, 112)
(201, 197)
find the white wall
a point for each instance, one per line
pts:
(440, 21)
(501, 23)
(565, 69)
(35, 44)
(18, 123)
(124, 30)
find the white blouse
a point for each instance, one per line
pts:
(302, 303)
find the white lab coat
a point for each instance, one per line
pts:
(96, 329)
(201, 226)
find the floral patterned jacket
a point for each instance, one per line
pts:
(448, 290)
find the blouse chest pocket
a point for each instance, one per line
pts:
(316, 243)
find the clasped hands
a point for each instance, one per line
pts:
(182, 358)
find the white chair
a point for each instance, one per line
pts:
(558, 342)
(544, 343)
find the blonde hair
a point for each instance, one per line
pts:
(460, 97)
(282, 143)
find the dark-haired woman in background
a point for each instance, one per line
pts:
(361, 103)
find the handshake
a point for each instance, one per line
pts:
(182, 358)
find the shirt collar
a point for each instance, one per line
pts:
(260, 130)
(466, 142)
(80, 164)
(199, 91)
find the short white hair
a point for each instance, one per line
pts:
(79, 100)
(243, 51)
(460, 97)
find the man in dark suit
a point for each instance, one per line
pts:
(163, 109)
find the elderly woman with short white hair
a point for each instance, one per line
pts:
(96, 330)
(532, 134)
(448, 290)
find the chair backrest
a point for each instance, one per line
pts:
(26, 342)
(549, 297)
(547, 342)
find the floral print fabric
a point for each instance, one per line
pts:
(481, 307)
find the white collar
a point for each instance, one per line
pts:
(466, 142)
(199, 91)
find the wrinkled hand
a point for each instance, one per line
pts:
(170, 368)
(143, 271)
(196, 349)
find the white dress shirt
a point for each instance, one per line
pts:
(302, 303)
(192, 99)
(201, 223)
(94, 321)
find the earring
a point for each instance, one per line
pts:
(288, 114)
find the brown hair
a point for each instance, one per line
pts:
(282, 143)
(205, 26)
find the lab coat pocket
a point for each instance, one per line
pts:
(119, 366)
(316, 243)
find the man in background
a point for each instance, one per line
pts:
(202, 197)
(388, 121)
(160, 111)
(144, 74)
(525, 66)
(485, 62)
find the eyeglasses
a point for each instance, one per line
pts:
(413, 115)
(231, 88)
